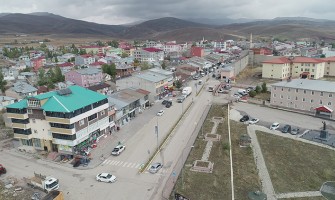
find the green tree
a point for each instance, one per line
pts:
(145, 65)
(124, 55)
(56, 59)
(51, 76)
(163, 65)
(42, 79)
(322, 56)
(27, 69)
(252, 93)
(264, 88)
(58, 74)
(113, 43)
(110, 70)
(3, 83)
(82, 51)
(258, 89)
(136, 62)
(100, 44)
(178, 84)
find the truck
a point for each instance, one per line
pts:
(54, 195)
(187, 91)
(181, 98)
(44, 183)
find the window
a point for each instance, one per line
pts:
(312, 100)
(102, 112)
(30, 111)
(275, 88)
(303, 99)
(329, 103)
(320, 101)
(304, 91)
(321, 94)
(296, 98)
(35, 131)
(296, 90)
(330, 95)
(34, 103)
(274, 95)
(312, 70)
(289, 89)
(27, 142)
(282, 89)
(94, 116)
(302, 69)
(281, 96)
(37, 142)
(81, 122)
(312, 92)
(288, 97)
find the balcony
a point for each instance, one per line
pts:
(63, 142)
(57, 120)
(22, 136)
(62, 131)
(21, 126)
(17, 116)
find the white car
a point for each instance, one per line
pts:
(106, 177)
(160, 113)
(253, 121)
(118, 150)
(154, 168)
(274, 126)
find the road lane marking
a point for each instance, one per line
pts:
(125, 163)
(104, 161)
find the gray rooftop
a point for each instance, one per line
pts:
(23, 87)
(149, 76)
(161, 71)
(6, 98)
(88, 71)
(306, 84)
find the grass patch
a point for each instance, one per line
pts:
(203, 185)
(307, 198)
(211, 135)
(263, 96)
(296, 166)
(202, 164)
(246, 177)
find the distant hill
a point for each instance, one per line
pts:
(169, 28)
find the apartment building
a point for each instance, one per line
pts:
(293, 67)
(149, 55)
(84, 77)
(311, 96)
(329, 66)
(64, 121)
(85, 60)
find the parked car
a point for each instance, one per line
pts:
(244, 118)
(286, 129)
(253, 121)
(168, 104)
(118, 150)
(164, 102)
(154, 168)
(160, 113)
(274, 126)
(106, 177)
(295, 131)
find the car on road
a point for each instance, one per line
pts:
(253, 121)
(106, 177)
(274, 126)
(164, 102)
(154, 168)
(160, 113)
(295, 131)
(168, 104)
(118, 150)
(286, 129)
(244, 118)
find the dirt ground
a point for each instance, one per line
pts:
(252, 76)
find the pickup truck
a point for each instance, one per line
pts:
(44, 183)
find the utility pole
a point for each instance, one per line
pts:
(156, 131)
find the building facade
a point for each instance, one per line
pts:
(149, 55)
(293, 67)
(84, 77)
(65, 121)
(85, 60)
(305, 95)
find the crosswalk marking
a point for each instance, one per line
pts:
(125, 163)
(121, 164)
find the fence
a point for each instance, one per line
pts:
(170, 183)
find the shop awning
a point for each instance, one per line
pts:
(324, 109)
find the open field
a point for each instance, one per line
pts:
(307, 198)
(246, 177)
(209, 186)
(296, 166)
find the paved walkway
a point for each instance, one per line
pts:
(299, 194)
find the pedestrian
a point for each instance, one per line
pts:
(110, 132)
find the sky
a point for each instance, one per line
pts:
(127, 11)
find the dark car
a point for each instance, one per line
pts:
(244, 118)
(76, 163)
(295, 131)
(168, 104)
(286, 129)
(164, 102)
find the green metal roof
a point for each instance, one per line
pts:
(79, 98)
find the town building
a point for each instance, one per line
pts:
(293, 67)
(329, 66)
(21, 90)
(149, 54)
(197, 51)
(64, 121)
(94, 49)
(84, 60)
(84, 77)
(311, 96)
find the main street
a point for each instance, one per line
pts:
(140, 145)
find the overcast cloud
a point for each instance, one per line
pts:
(126, 11)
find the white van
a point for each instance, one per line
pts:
(242, 92)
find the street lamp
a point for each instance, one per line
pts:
(182, 168)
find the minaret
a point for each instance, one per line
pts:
(251, 44)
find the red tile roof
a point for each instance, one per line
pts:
(284, 60)
(67, 64)
(329, 59)
(86, 55)
(145, 92)
(97, 63)
(324, 109)
(152, 49)
(87, 47)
